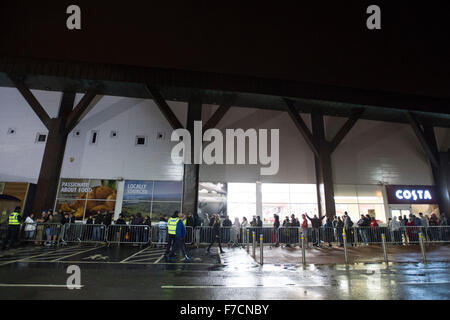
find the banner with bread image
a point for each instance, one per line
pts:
(86, 197)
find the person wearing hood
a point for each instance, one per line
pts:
(235, 229)
(394, 228)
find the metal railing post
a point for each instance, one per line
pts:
(422, 247)
(254, 244)
(303, 249)
(383, 243)
(248, 241)
(344, 236)
(261, 255)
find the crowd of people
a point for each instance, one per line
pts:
(46, 229)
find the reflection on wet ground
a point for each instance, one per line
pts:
(142, 273)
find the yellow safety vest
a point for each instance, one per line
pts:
(13, 219)
(184, 222)
(172, 225)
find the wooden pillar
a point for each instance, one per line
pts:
(324, 174)
(191, 171)
(53, 156)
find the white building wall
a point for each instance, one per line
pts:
(372, 152)
(113, 158)
(20, 156)
(375, 152)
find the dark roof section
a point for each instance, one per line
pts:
(179, 85)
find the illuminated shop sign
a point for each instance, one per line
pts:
(411, 194)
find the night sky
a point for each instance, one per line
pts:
(320, 42)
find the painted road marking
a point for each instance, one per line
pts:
(220, 257)
(126, 259)
(142, 260)
(76, 253)
(21, 259)
(162, 256)
(243, 287)
(23, 285)
(128, 262)
(147, 255)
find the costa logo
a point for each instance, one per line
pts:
(405, 194)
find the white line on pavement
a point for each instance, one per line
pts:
(243, 287)
(76, 253)
(159, 259)
(126, 259)
(220, 257)
(22, 259)
(38, 285)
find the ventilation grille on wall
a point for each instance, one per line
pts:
(141, 140)
(40, 138)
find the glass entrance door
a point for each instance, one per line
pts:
(397, 210)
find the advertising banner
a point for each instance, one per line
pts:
(86, 197)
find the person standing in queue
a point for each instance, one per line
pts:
(171, 231)
(180, 235)
(13, 228)
(216, 233)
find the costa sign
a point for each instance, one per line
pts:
(411, 194)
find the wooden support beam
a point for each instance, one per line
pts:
(422, 139)
(301, 126)
(216, 117)
(53, 157)
(81, 109)
(31, 99)
(191, 171)
(156, 96)
(324, 172)
(345, 129)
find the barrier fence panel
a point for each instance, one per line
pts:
(189, 235)
(47, 233)
(289, 235)
(118, 233)
(87, 233)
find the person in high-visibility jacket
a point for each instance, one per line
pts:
(14, 220)
(171, 231)
(180, 235)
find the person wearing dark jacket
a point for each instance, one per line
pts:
(315, 223)
(180, 235)
(215, 233)
(98, 220)
(276, 226)
(108, 218)
(136, 232)
(147, 222)
(227, 227)
(122, 230)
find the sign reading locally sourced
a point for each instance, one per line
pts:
(402, 194)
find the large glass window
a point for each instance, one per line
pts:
(358, 200)
(287, 199)
(241, 200)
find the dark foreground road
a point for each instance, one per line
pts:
(133, 273)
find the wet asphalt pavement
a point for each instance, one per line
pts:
(142, 273)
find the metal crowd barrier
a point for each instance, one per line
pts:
(135, 234)
(47, 233)
(355, 236)
(51, 233)
(84, 233)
